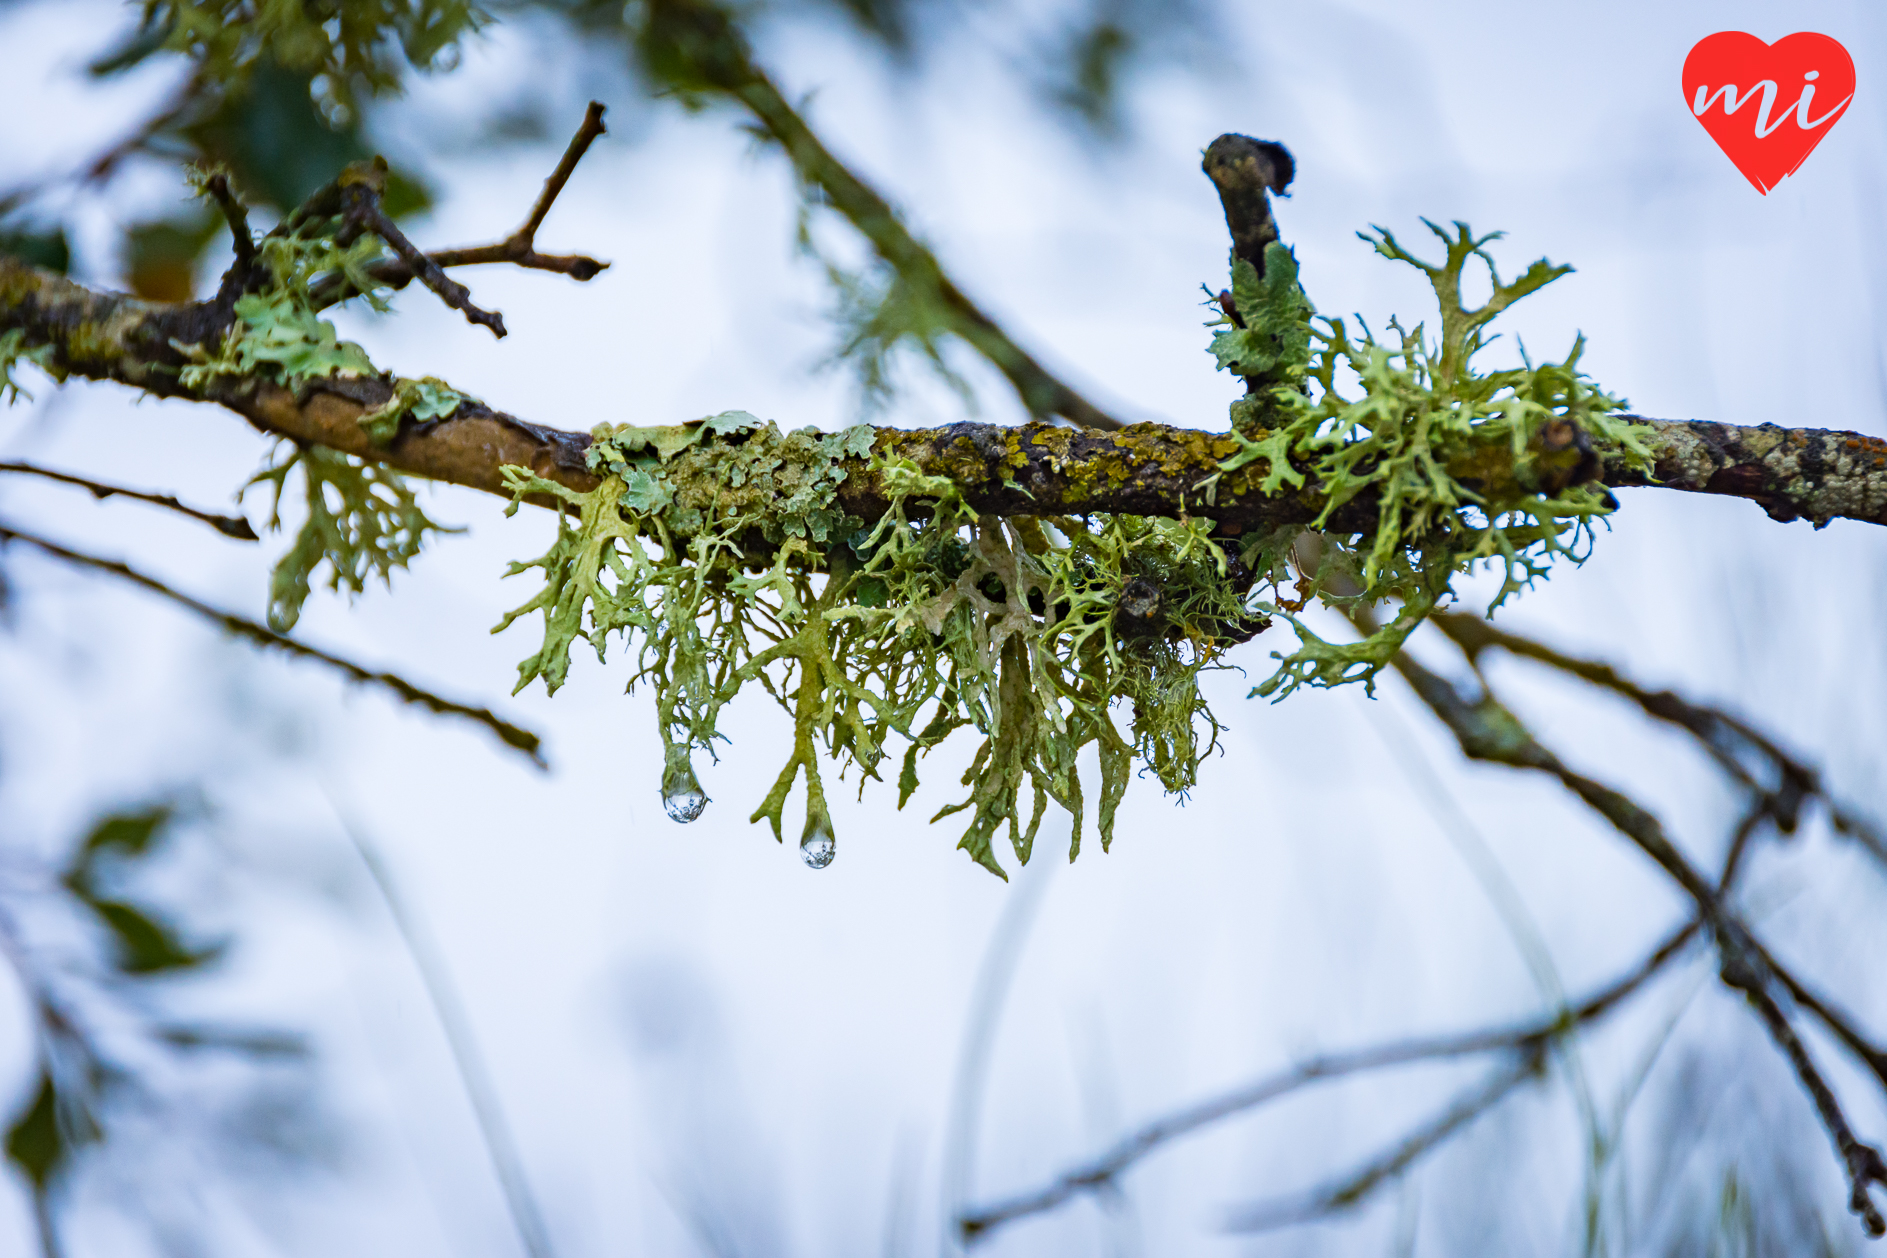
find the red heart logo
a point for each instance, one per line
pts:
(1768, 105)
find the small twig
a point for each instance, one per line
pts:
(454, 1023)
(1720, 733)
(362, 208)
(518, 249)
(1528, 1038)
(1862, 1161)
(228, 525)
(522, 739)
(587, 133)
(1343, 1193)
(217, 185)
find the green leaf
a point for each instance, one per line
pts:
(34, 1142)
(128, 835)
(147, 945)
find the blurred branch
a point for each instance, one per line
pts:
(512, 736)
(434, 975)
(1528, 1040)
(1487, 730)
(1279, 1212)
(697, 46)
(1722, 735)
(228, 525)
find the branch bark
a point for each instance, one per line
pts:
(1033, 468)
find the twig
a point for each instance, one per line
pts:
(506, 1161)
(1721, 734)
(1340, 1194)
(228, 525)
(512, 736)
(361, 200)
(217, 185)
(1528, 1038)
(517, 249)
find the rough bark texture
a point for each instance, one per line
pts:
(1033, 468)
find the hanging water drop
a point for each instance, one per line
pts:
(818, 844)
(682, 796)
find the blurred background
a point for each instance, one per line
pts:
(692, 1043)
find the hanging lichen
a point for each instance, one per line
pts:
(718, 550)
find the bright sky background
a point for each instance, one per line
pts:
(685, 1022)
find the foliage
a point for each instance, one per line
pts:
(716, 548)
(1460, 467)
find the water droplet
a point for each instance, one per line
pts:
(682, 796)
(818, 845)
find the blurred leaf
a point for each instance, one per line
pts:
(1095, 58)
(282, 148)
(33, 1142)
(161, 257)
(42, 1139)
(47, 249)
(146, 945)
(126, 834)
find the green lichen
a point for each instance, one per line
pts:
(1461, 468)
(425, 399)
(363, 520)
(13, 352)
(717, 549)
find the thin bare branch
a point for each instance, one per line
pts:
(1488, 731)
(1351, 1189)
(512, 736)
(1528, 1039)
(360, 198)
(228, 525)
(234, 213)
(1726, 737)
(518, 249)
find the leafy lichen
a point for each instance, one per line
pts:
(13, 352)
(363, 520)
(718, 549)
(1460, 467)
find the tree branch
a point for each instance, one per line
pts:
(1487, 731)
(1025, 469)
(517, 249)
(1527, 1039)
(1276, 1212)
(696, 45)
(521, 739)
(228, 525)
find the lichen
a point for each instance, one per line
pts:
(422, 400)
(1461, 468)
(363, 520)
(718, 550)
(13, 352)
